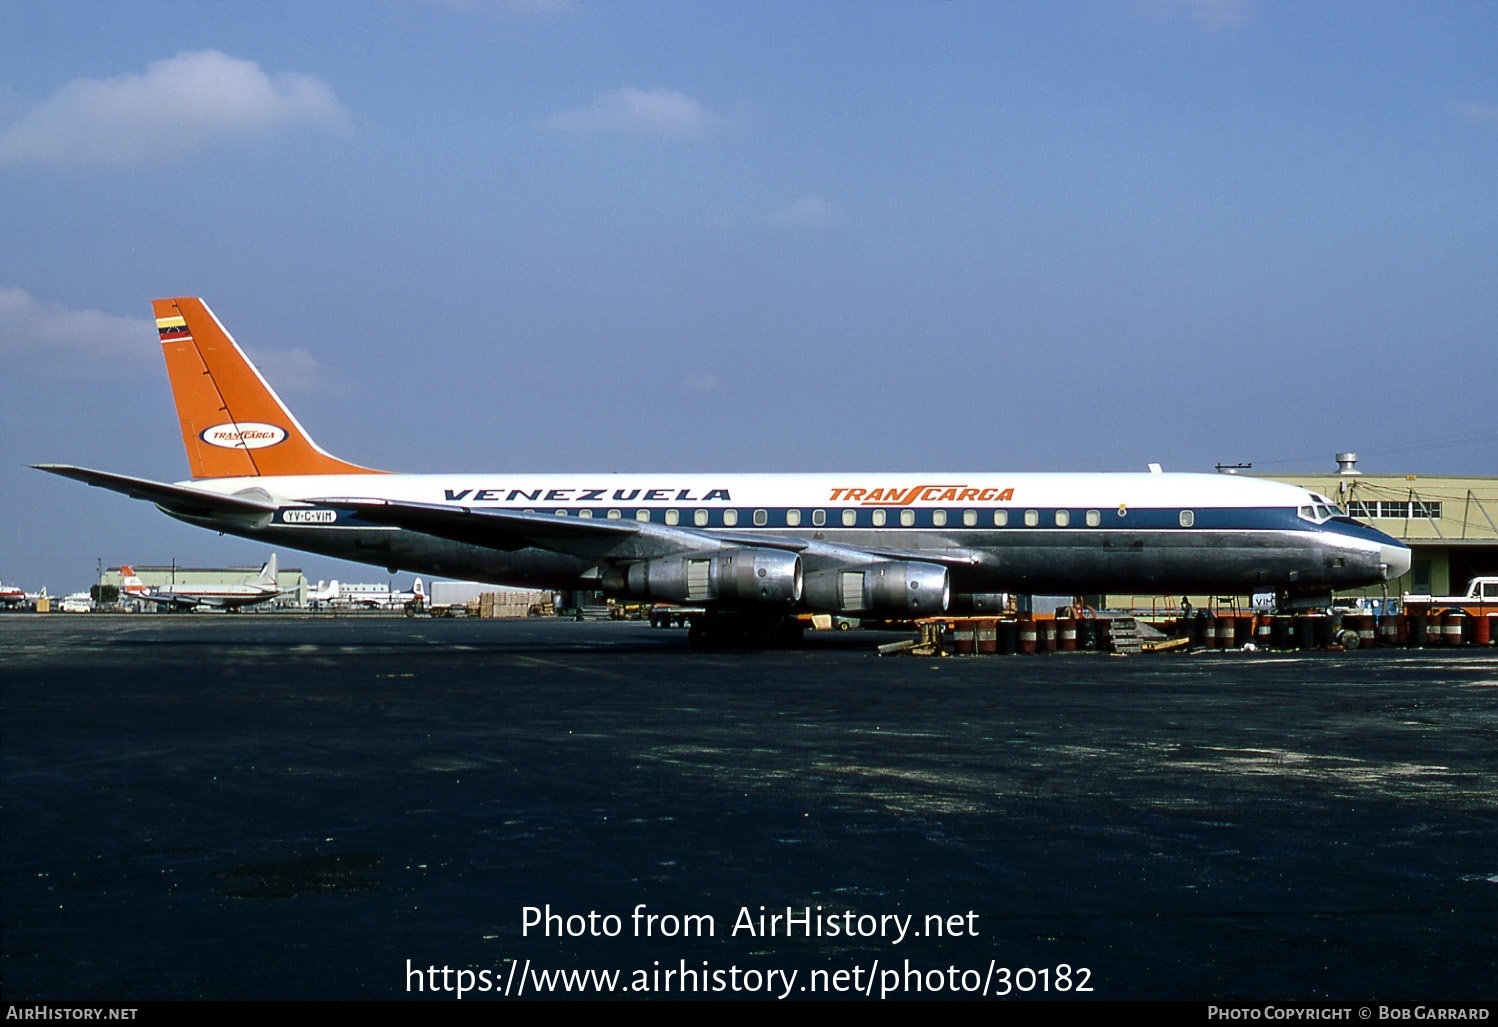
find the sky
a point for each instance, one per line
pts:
(891, 235)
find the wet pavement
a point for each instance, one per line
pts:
(213, 807)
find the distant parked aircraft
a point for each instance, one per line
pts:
(368, 597)
(216, 597)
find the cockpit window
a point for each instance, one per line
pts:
(1318, 513)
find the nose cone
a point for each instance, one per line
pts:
(1396, 559)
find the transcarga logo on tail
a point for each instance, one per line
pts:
(246, 435)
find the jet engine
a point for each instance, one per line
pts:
(886, 589)
(980, 602)
(742, 577)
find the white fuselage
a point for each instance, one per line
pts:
(1063, 533)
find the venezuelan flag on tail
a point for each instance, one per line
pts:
(233, 423)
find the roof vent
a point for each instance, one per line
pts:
(1347, 463)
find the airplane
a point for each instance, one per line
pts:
(334, 594)
(214, 597)
(10, 595)
(417, 595)
(323, 592)
(751, 550)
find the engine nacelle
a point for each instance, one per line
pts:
(728, 576)
(886, 589)
(980, 602)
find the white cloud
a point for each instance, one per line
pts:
(630, 111)
(807, 212)
(179, 106)
(50, 339)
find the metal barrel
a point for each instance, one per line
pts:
(1009, 636)
(988, 637)
(1279, 631)
(1066, 634)
(1026, 634)
(963, 638)
(1435, 628)
(1087, 634)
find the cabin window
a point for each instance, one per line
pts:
(642, 515)
(938, 517)
(792, 518)
(730, 518)
(1188, 518)
(1032, 518)
(850, 518)
(761, 518)
(818, 518)
(1094, 518)
(561, 513)
(1063, 518)
(969, 518)
(907, 518)
(699, 518)
(879, 518)
(586, 515)
(1000, 518)
(615, 515)
(673, 516)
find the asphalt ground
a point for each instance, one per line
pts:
(245, 807)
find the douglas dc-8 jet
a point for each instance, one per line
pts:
(750, 549)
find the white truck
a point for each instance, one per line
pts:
(1481, 597)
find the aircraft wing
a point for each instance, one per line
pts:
(593, 538)
(509, 530)
(494, 529)
(171, 599)
(175, 499)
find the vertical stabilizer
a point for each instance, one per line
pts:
(270, 574)
(233, 423)
(130, 583)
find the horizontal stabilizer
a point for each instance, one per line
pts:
(174, 499)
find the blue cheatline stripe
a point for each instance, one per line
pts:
(948, 519)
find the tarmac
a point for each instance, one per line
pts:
(265, 807)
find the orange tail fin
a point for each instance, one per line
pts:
(233, 423)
